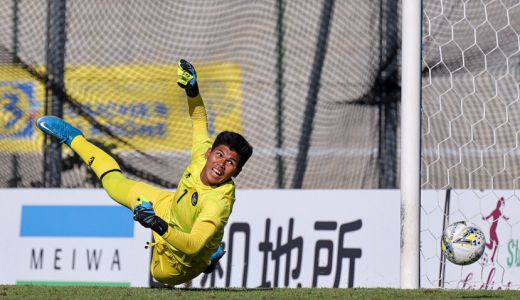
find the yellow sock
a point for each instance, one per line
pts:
(118, 187)
(100, 161)
(126, 191)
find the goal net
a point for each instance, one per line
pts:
(309, 83)
(470, 136)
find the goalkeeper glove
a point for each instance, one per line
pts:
(187, 78)
(215, 257)
(145, 215)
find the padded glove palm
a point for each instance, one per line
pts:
(187, 78)
(145, 215)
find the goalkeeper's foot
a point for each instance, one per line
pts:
(58, 128)
(215, 257)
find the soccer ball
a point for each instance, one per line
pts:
(463, 243)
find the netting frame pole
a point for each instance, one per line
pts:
(320, 52)
(54, 85)
(280, 168)
(410, 143)
(16, 13)
(388, 103)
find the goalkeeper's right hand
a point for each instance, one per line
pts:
(145, 215)
(187, 78)
(215, 257)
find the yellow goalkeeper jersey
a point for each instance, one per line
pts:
(195, 201)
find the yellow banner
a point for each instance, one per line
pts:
(20, 105)
(142, 104)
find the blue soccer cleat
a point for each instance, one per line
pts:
(215, 257)
(58, 128)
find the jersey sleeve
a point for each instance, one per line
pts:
(190, 243)
(200, 141)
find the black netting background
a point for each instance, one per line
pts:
(313, 85)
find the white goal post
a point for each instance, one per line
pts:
(410, 143)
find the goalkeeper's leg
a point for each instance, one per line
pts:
(118, 187)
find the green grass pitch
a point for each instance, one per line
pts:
(55, 292)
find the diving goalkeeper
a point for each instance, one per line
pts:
(187, 225)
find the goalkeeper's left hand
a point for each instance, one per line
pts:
(145, 215)
(187, 78)
(215, 257)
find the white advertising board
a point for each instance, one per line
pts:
(274, 238)
(70, 237)
(310, 238)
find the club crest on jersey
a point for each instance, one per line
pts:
(187, 175)
(194, 198)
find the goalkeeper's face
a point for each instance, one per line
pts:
(221, 165)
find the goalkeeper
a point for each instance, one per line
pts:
(187, 225)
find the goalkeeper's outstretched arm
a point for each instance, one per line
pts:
(187, 79)
(190, 243)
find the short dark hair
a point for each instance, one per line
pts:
(236, 142)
